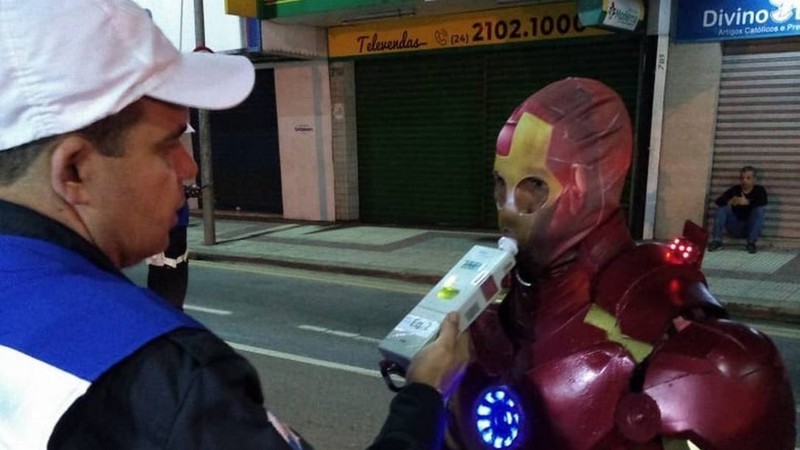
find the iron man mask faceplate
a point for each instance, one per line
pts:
(560, 168)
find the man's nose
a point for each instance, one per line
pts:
(184, 164)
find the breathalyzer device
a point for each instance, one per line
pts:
(472, 284)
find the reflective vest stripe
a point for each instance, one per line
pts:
(33, 397)
(66, 322)
(161, 260)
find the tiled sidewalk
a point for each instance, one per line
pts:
(764, 285)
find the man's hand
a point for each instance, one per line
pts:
(739, 200)
(441, 364)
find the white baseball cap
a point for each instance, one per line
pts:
(65, 64)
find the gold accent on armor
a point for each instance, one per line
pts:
(679, 444)
(527, 157)
(599, 318)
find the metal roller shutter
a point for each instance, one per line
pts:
(420, 139)
(427, 124)
(758, 124)
(245, 158)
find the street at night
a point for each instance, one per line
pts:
(313, 338)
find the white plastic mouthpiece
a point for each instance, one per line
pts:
(508, 244)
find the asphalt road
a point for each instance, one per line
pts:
(313, 338)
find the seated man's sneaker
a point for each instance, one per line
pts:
(714, 245)
(751, 247)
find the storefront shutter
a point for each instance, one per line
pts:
(427, 124)
(758, 124)
(245, 157)
(420, 139)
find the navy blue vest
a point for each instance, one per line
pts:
(63, 323)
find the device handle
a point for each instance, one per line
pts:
(389, 368)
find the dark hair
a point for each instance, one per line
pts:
(106, 134)
(749, 169)
(15, 161)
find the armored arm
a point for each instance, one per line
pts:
(716, 383)
(721, 385)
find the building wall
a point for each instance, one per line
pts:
(302, 92)
(345, 149)
(690, 104)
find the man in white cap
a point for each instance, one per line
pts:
(93, 103)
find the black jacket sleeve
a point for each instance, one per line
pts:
(415, 422)
(187, 390)
(722, 200)
(758, 196)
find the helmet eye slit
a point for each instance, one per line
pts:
(530, 194)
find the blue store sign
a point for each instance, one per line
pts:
(717, 20)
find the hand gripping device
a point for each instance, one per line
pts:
(471, 285)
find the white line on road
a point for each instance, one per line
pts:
(219, 312)
(304, 359)
(344, 334)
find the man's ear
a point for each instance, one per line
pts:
(69, 167)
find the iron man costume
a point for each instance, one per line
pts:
(603, 343)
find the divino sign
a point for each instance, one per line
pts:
(717, 20)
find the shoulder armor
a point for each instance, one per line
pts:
(723, 385)
(645, 289)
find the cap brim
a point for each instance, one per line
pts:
(206, 81)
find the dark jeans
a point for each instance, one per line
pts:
(749, 229)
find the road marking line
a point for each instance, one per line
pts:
(305, 360)
(344, 334)
(219, 312)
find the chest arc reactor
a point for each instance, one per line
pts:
(499, 418)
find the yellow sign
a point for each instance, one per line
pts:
(243, 8)
(491, 27)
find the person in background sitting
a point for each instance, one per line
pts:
(741, 211)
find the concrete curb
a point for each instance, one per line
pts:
(740, 308)
(745, 309)
(318, 266)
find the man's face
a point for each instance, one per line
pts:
(136, 196)
(747, 179)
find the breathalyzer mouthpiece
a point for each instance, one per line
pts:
(508, 244)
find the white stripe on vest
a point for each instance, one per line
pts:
(41, 395)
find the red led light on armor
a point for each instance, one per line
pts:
(681, 251)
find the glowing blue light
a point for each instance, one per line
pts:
(498, 417)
